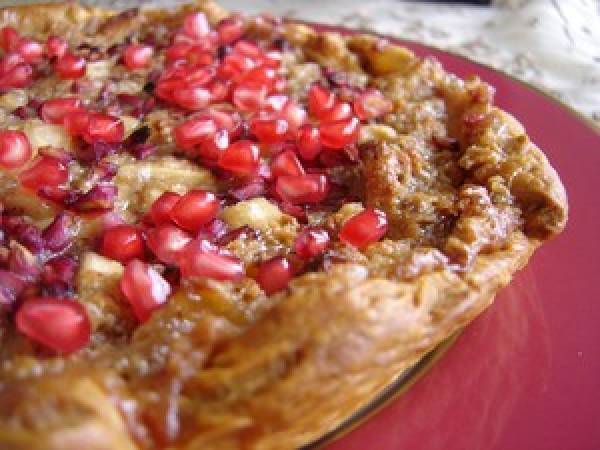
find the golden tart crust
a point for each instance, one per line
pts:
(468, 196)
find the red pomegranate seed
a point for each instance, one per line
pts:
(219, 90)
(137, 56)
(311, 242)
(320, 100)
(198, 57)
(300, 189)
(193, 132)
(241, 157)
(56, 47)
(339, 134)
(167, 242)
(371, 104)
(9, 38)
(103, 128)
(192, 98)
(31, 51)
(249, 98)
(364, 228)
(45, 171)
(339, 111)
(259, 76)
(200, 259)
(70, 66)
(58, 323)
(123, 243)
(212, 148)
(234, 65)
(230, 30)
(18, 76)
(178, 51)
(76, 122)
(194, 209)
(294, 114)
(309, 142)
(274, 275)
(196, 25)
(270, 131)
(144, 288)
(248, 48)
(160, 211)
(10, 61)
(15, 149)
(54, 110)
(286, 163)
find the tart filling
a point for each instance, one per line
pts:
(205, 214)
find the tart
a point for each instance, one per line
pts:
(221, 232)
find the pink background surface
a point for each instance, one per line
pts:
(525, 374)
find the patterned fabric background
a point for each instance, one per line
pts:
(554, 44)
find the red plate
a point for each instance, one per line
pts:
(526, 373)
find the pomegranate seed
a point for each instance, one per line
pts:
(364, 228)
(196, 25)
(76, 122)
(230, 30)
(286, 163)
(300, 189)
(198, 57)
(104, 128)
(309, 142)
(15, 149)
(60, 233)
(10, 61)
(56, 47)
(70, 66)
(234, 65)
(18, 76)
(178, 51)
(241, 157)
(167, 242)
(311, 242)
(259, 76)
(9, 38)
(371, 104)
(54, 110)
(194, 209)
(219, 90)
(192, 98)
(200, 259)
(340, 111)
(270, 131)
(123, 243)
(31, 51)
(294, 114)
(274, 275)
(320, 100)
(144, 288)
(249, 98)
(275, 103)
(45, 171)
(193, 132)
(212, 231)
(339, 134)
(57, 323)
(252, 189)
(137, 56)
(212, 148)
(248, 48)
(160, 211)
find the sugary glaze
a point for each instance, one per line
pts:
(228, 232)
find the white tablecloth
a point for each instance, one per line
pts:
(554, 44)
